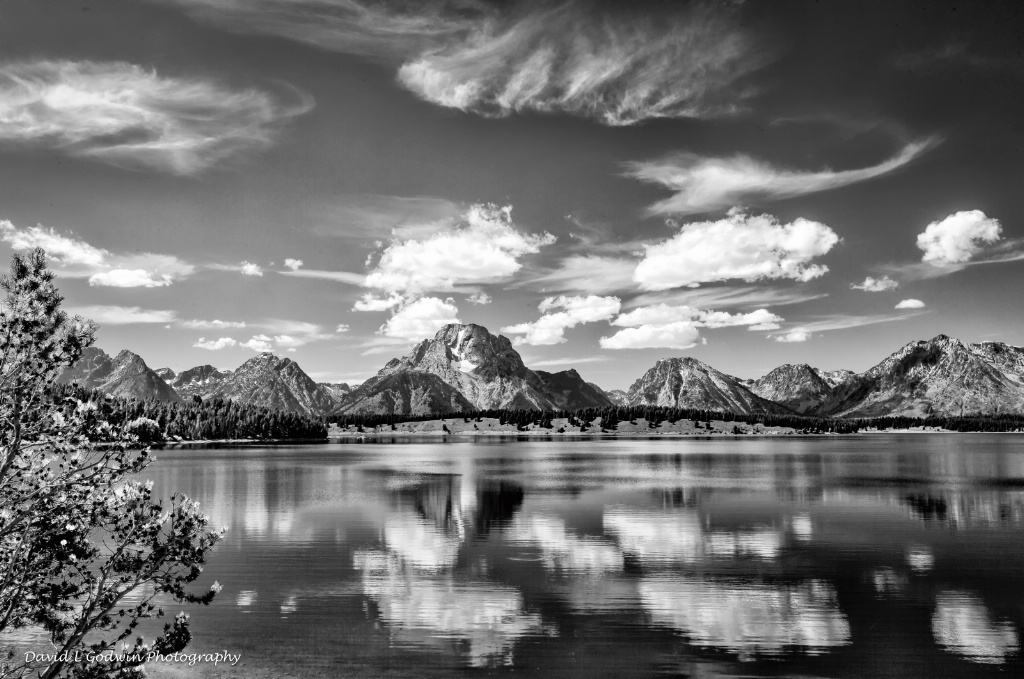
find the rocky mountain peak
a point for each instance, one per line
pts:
(686, 382)
(465, 365)
(799, 387)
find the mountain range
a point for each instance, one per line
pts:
(466, 368)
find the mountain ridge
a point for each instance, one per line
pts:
(466, 368)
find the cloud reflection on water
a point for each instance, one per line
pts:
(748, 618)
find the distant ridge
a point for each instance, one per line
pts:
(464, 368)
(126, 375)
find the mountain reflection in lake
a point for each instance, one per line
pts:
(897, 556)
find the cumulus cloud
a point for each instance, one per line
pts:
(215, 345)
(421, 319)
(957, 238)
(372, 302)
(121, 315)
(126, 115)
(677, 335)
(561, 313)
(661, 314)
(250, 269)
(702, 184)
(341, 328)
(74, 258)
(742, 246)
(876, 284)
(598, 61)
(293, 264)
(678, 327)
(258, 343)
(793, 336)
(484, 247)
(479, 297)
(910, 304)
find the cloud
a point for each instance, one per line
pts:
(380, 216)
(121, 315)
(381, 30)
(128, 278)
(125, 115)
(875, 284)
(739, 246)
(371, 302)
(215, 345)
(569, 360)
(804, 331)
(74, 258)
(293, 264)
(216, 324)
(421, 319)
(618, 68)
(793, 336)
(561, 313)
(677, 335)
(258, 343)
(727, 297)
(484, 247)
(339, 276)
(910, 304)
(957, 238)
(703, 184)
(341, 328)
(663, 314)
(592, 60)
(250, 269)
(678, 327)
(593, 274)
(479, 298)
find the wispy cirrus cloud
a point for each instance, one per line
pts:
(387, 29)
(109, 314)
(589, 273)
(600, 61)
(383, 216)
(702, 184)
(728, 297)
(125, 115)
(618, 68)
(805, 331)
(74, 258)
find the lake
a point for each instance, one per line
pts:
(862, 556)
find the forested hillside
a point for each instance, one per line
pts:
(197, 419)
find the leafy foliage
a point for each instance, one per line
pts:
(85, 550)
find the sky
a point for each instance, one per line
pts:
(605, 183)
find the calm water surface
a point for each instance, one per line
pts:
(870, 556)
